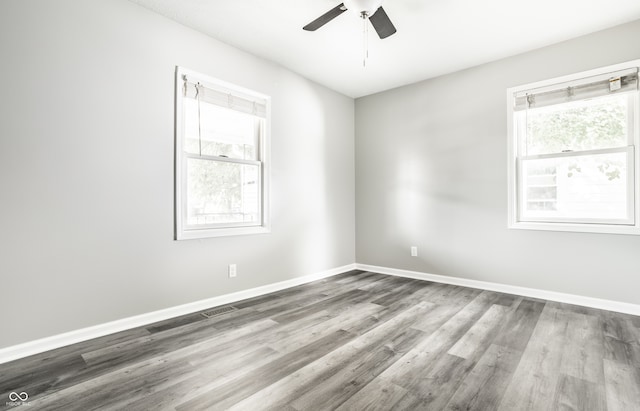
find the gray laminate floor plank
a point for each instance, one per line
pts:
(112, 387)
(622, 386)
(334, 392)
(482, 389)
(39, 377)
(412, 371)
(359, 277)
(336, 303)
(208, 377)
(321, 376)
(378, 395)
(311, 328)
(269, 308)
(583, 349)
(575, 394)
(386, 283)
(252, 302)
(470, 344)
(620, 326)
(519, 327)
(380, 316)
(447, 294)
(349, 320)
(534, 382)
(169, 341)
(383, 286)
(238, 389)
(399, 293)
(41, 371)
(621, 351)
(114, 359)
(355, 341)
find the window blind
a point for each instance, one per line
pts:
(226, 98)
(590, 87)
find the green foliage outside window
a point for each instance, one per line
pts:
(596, 124)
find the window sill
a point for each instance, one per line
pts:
(578, 228)
(220, 232)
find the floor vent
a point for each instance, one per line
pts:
(217, 311)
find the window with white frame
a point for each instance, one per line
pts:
(573, 158)
(221, 158)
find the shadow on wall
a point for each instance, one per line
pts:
(300, 192)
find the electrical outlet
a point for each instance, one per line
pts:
(414, 251)
(233, 270)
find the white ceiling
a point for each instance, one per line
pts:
(434, 37)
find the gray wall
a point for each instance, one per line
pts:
(86, 169)
(431, 171)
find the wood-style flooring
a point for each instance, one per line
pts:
(356, 341)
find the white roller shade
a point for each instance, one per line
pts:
(591, 87)
(226, 98)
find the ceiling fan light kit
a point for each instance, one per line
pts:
(363, 8)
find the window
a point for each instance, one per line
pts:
(573, 162)
(221, 158)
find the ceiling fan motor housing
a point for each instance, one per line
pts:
(368, 7)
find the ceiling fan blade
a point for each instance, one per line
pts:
(325, 18)
(382, 24)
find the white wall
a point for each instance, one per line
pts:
(86, 169)
(431, 171)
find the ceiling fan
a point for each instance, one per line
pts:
(366, 9)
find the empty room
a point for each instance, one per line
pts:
(315, 205)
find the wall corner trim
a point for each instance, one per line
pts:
(50, 343)
(591, 302)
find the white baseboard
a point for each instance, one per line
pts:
(598, 303)
(50, 343)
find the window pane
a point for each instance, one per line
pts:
(579, 125)
(220, 193)
(577, 187)
(223, 132)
